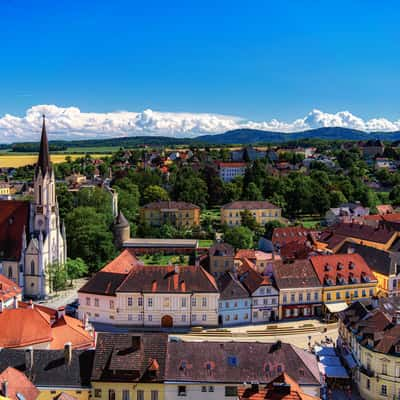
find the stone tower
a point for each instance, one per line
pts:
(121, 229)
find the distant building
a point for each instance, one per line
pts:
(262, 211)
(230, 170)
(385, 163)
(248, 153)
(372, 148)
(347, 212)
(176, 213)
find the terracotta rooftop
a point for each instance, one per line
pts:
(342, 269)
(299, 274)
(8, 289)
(18, 385)
(123, 263)
(171, 205)
(288, 234)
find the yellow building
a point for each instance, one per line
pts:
(371, 335)
(384, 264)
(333, 238)
(177, 213)
(221, 258)
(6, 189)
(262, 211)
(344, 279)
(129, 367)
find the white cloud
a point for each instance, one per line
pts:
(71, 123)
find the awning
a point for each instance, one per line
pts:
(335, 372)
(325, 351)
(336, 307)
(350, 361)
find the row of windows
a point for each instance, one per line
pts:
(230, 391)
(236, 317)
(150, 317)
(263, 214)
(126, 394)
(265, 301)
(300, 297)
(349, 295)
(166, 302)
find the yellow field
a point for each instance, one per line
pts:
(20, 160)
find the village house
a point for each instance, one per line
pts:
(28, 325)
(264, 295)
(261, 260)
(262, 211)
(370, 333)
(177, 213)
(344, 278)
(14, 385)
(218, 370)
(125, 292)
(234, 301)
(221, 258)
(129, 366)
(384, 264)
(300, 291)
(10, 293)
(347, 212)
(230, 170)
(54, 373)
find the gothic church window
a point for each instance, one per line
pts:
(32, 267)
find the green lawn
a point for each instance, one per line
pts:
(205, 243)
(99, 149)
(159, 259)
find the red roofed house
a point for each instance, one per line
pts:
(15, 385)
(9, 293)
(125, 292)
(345, 278)
(28, 325)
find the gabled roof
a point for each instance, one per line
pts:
(231, 288)
(18, 385)
(238, 362)
(331, 269)
(14, 218)
(250, 278)
(24, 327)
(8, 289)
(130, 357)
(299, 274)
(249, 205)
(288, 234)
(50, 367)
(221, 249)
(170, 205)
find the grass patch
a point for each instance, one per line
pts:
(205, 243)
(99, 149)
(161, 259)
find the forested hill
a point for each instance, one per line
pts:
(252, 136)
(237, 136)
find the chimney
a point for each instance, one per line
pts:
(31, 304)
(60, 312)
(15, 302)
(68, 353)
(350, 250)
(4, 388)
(396, 318)
(29, 359)
(1, 306)
(176, 268)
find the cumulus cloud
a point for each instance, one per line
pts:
(72, 123)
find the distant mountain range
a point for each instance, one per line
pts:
(237, 136)
(252, 136)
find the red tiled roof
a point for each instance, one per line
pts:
(330, 269)
(14, 217)
(68, 329)
(123, 263)
(179, 205)
(18, 383)
(299, 249)
(395, 217)
(8, 289)
(24, 327)
(289, 234)
(249, 205)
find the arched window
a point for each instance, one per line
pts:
(10, 272)
(32, 267)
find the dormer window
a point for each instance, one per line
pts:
(351, 265)
(232, 361)
(183, 366)
(327, 267)
(340, 266)
(397, 348)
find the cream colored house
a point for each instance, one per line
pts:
(369, 338)
(127, 293)
(262, 211)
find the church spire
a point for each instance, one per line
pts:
(44, 157)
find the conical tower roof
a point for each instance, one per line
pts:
(43, 163)
(120, 220)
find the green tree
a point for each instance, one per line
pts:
(394, 195)
(76, 268)
(270, 226)
(65, 200)
(240, 237)
(89, 237)
(336, 198)
(57, 276)
(128, 198)
(252, 192)
(97, 198)
(154, 193)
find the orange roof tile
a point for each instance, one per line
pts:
(8, 289)
(68, 329)
(24, 327)
(123, 263)
(18, 383)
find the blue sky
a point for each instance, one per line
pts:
(258, 59)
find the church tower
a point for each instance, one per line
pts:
(47, 240)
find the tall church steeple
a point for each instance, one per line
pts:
(43, 163)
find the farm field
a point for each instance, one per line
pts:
(22, 159)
